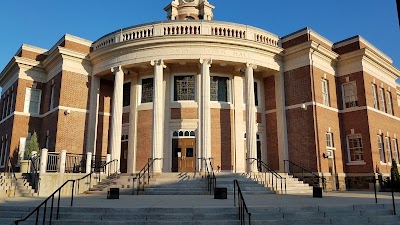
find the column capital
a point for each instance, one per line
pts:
(116, 69)
(251, 65)
(158, 62)
(207, 62)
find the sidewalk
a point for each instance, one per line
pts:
(199, 201)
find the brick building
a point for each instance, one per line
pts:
(177, 90)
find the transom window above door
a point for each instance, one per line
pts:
(184, 88)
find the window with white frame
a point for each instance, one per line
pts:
(3, 154)
(147, 90)
(375, 96)
(219, 89)
(325, 92)
(350, 95)
(388, 150)
(381, 149)
(329, 140)
(395, 150)
(389, 103)
(354, 148)
(184, 88)
(398, 100)
(382, 100)
(32, 100)
(12, 100)
(1, 151)
(126, 94)
(52, 95)
(2, 107)
(8, 103)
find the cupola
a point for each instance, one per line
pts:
(189, 10)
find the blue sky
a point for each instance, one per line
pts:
(43, 22)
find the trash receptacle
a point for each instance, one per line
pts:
(220, 193)
(113, 193)
(317, 192)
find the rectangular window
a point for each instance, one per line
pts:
(389, 103)
(1, 150)
(3, 112)
(381, 149)
(184, 88)
(12, 100)
(354, 148)
(52, 95)
(147, 90)
(219, 89)
(374, 96)
(329, 140)
(395, 151)
(382, 100)
(32, 100)
(398, 100)
(47, 139)
(7, 103)
(4, 147)
(325, 92)
(256, 93)
(388, 150)
(126, 98)
(350, 95)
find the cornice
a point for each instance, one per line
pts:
(78, 40)
(306, 31)
(311, 47)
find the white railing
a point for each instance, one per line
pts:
(175, 28)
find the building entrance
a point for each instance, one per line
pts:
(183, 155)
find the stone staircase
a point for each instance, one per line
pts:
(368, 214)
(293, 185)
(196, 184)
(22, 188)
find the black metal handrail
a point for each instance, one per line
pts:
(11, 174)
(304, 174)
(34, 174)
(212, 180)
(242, 208)
(58, 191)
(272, 180)
(141, 174)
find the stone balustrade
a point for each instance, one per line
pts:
(175, 28)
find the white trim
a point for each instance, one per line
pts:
(270, 111)
(356, 163)
(354, 83)
(349, 161)
(27, 107)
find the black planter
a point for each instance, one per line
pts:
(317, 192)
(220, 193)
(113, 193)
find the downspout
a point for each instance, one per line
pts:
(314, 107)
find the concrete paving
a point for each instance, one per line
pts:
(191, 201)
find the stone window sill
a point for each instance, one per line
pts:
(356, 163)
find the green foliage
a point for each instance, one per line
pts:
(396, 176)
(32, 147)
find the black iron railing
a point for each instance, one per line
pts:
(211, 179)
(304, 174)
(271, 177)
(243, 211)
(34, 174)
(141, 176)
(75, 163)
(48, 204)
(11, 174)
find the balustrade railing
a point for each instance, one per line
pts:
(172, 28)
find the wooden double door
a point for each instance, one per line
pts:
(183, 155)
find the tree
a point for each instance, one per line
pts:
(32, 147)
(396, 175)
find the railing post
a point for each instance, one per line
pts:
(63, 159)
(88, 162)
(43, 161)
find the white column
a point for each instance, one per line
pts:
(88, 162)
(281, 120)
(251, 132)
(116, 118)
(108, 159)
(158, 114)
(63, 159)
(240, 156)
(43, 161)
(93, 115)
(132, 125)
(205, 113)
